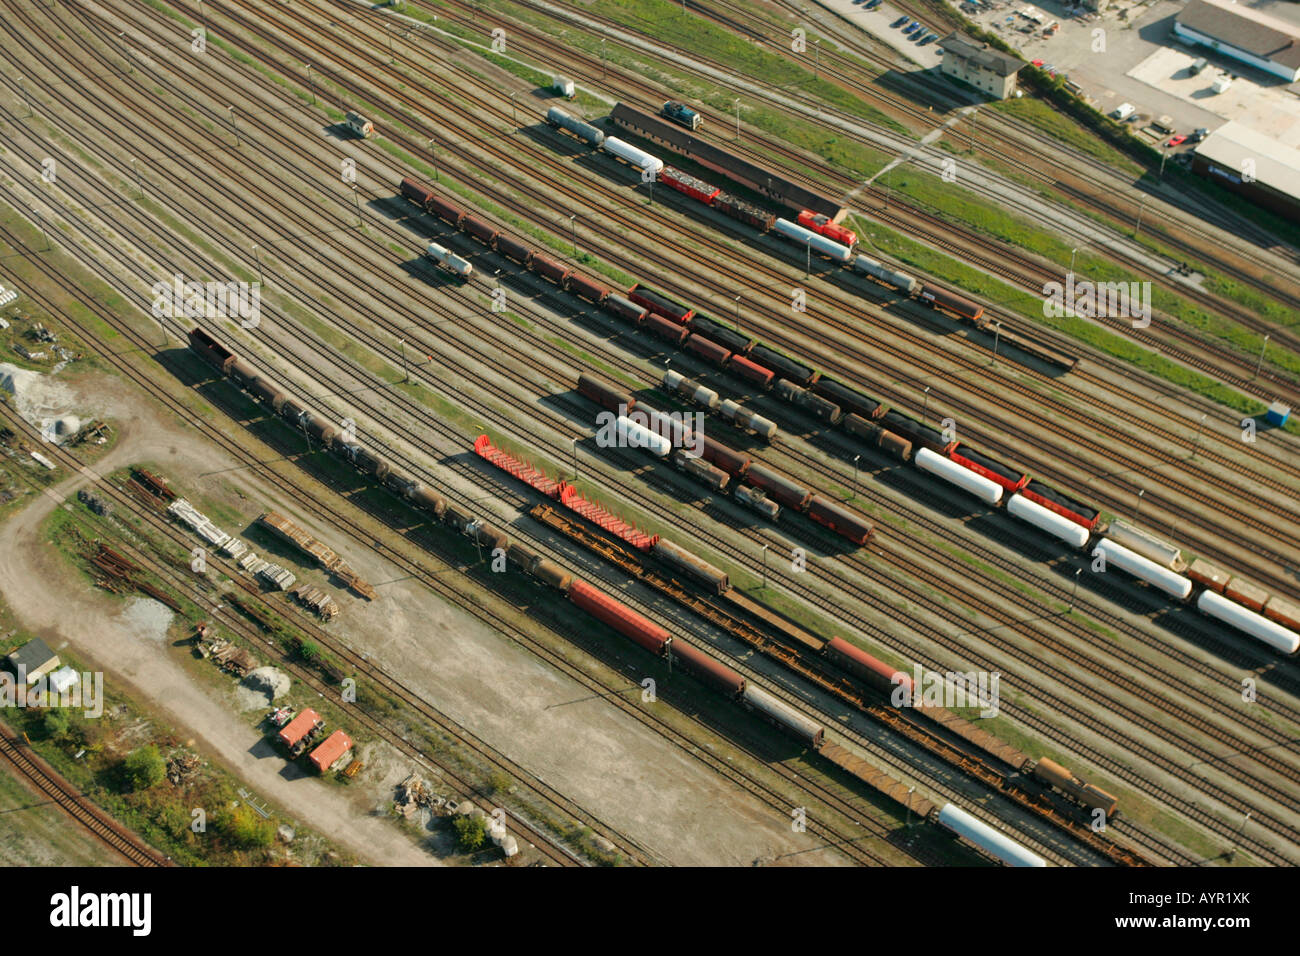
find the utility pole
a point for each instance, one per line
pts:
(1075, 592)
(1164, 154)
(514, 109)
(738, 120)
(764, 567)
(40, 221)
(855, 475)
(1142, 206)
(1138, 506)
(258, 256)
(737, 313)
(925, 409)
(311, 82)
(126, 52)
(970, 137)
(433, 152)
(575, 458)
(22, 90)
(1260, 364)
(817, 58)
(406, 373)
(573, 232)
(233, 128)
(997, 335)
(808, 269)
(1200, 433)
(602, 58)
(356, 201)
(138, 184)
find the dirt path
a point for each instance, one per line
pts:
(94, 627)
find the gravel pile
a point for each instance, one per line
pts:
(262, 687)
(148, 618)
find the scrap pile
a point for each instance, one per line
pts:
(182, 767)
(119, 570)
(150, 488)
(413, 795)
(229, 657)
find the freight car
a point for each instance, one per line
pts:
(872, 671)
(940, 298)
(840, 520)
(660, 304)
(878, 437)
(1254, 625)
(605, 394)
(649, 165)
(742, 417)
(696, 568)
(918, 433)
(814, 242)
(697, 189)
(690, 389)
(820, 407)
(625, 308)
(630, 434)
(783, 715)
(745, 212)
(448, 261)
(756, 500)
(1062, 504)
(882, 273)
(1044, 519)
(1147, 545)
(849, 399)
(1174, 585)
(1010, 479)
(996, 844)
(584, 131)
(782, 489)
(737, 342)
(1056, 776)
(750, 370)
(784, 366)
(619, 616)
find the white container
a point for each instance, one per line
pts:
(987, 491)
(1147, 545)
(563, 87)
(448, 260)
(1276, 636)
(806, 237)
(1031, 512)
(632, 435)
(630, 154)
(1175, 585)
(986, 838)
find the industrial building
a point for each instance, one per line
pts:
(1248, 36)
(978, 64)
(1252, 165)
(33, 660)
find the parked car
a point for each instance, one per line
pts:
(929, 38)
(872, 4)
(899, 22)
(1176, 140)
(912, 27)
(1199, 135)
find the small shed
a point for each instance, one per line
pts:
(33, 660)
(1277, 413)
(63, 680)
(328, 753)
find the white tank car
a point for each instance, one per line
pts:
(990, 492)
(449, 261)
(632, 435)
(1031, 512)
(1276, 636)
(988, 839)
(630, 154)
(1175, 585)
(806, 237)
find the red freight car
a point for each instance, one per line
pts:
(665, 329)
(1063, 505)
(445, 210)
(751, 371)
(782, 489)
(514, 250)
(840, 520)
(873, 671)
(660, 304)
(714, 673)
(209, 349)
(481, 230)
(710, 351)
(585, 288)
(604, 394)
(618, 616)
(548, 268)
(334, 747)
(730, 461)
(729, 205)
(686, 183)
(416, 193)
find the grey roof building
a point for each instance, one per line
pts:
(978, 64)
(1237, 31)
(34, 658)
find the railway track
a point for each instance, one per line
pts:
(1185, 347)
(49, 782)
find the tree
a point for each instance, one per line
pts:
(308, 651)
(246, 829)
(57, 722)
(143, 768)
(471, 832)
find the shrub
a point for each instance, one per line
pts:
(143, 768)
(471, 832)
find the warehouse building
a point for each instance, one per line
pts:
(1252, 165)
(1237, 31)
(980, 65)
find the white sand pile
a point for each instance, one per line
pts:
(148, 618)
(262, 687)
(39, 399)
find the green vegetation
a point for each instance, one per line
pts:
(143, 768)
(471, 832)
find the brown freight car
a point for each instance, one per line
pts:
(619, 616)
(840, 520)
(513, 249)
(782, 489)
(586, 288)
(665, 329)
(708, 350)
(1246, 593)
(445, 211)
(548, 268)
(604, 394)
(481, 230)
(712, 672)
